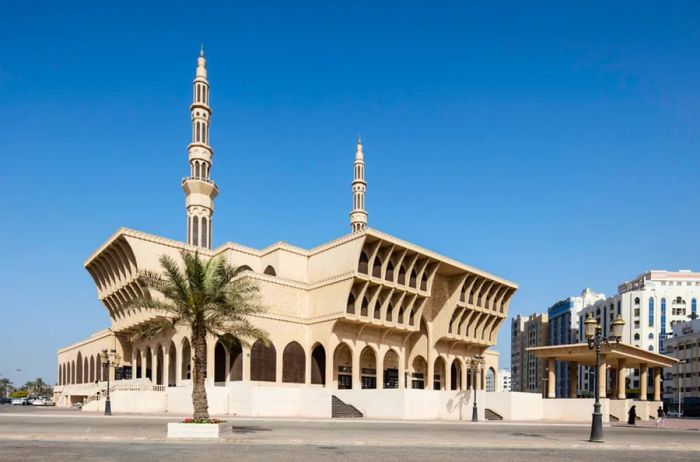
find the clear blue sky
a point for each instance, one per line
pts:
(554, 144)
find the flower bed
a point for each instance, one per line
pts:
(196, 428)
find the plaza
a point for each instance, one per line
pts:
(26, 433)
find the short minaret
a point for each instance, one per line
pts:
(358, 216)
(199, 189)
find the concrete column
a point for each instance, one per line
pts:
(143, 365)
(602, 377)
(178, 364)
(154, 366)
(307, 367)
(657, 384)
(245, 351)
(211, 346)
(356, 380)
(551, 378)
(573, 379)
(621, 372)
(133, 365)
(430, 372)
(447, 379)
(279, 364)
(643, 381)
(166, 367)
(227, 366)
(402, 369)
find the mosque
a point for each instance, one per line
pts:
(367, 323)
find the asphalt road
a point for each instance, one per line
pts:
(28, 434)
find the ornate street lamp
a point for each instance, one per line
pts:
(109, 359)
(594, 336)
(478, 360)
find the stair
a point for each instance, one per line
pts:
(490, 415)
(340, 410)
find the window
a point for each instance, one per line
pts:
(377, 267)
(204, 232)
(364, 262)
(636, 336)
(651, 335)
(195, 231)
(270, 271)
(651, 311)
(694, 307)
(636, 300)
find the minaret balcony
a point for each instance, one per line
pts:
(200, 185)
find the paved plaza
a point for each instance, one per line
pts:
(29, 434)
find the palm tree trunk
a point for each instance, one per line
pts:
(199, 392)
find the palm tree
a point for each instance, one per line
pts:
(6, 386)
(206, 296)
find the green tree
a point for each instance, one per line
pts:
(19, 394)
(208, 297)
(5, 387)
(38, 387)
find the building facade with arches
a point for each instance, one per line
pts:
(367, 311)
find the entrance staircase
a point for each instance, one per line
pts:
(341, 410)
(490, 415)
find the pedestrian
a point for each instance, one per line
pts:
(660, 417)
(632, 415)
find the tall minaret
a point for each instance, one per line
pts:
(200, 191)
(358, 216)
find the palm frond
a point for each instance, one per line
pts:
(151, 328)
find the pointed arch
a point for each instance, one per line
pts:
(219, 364)
(79, 368)
(263, 362)
(342, 366)
(172, 365)
(318, 365)
(350, 308)
(293, 363)
(391, 369)
(368, 368)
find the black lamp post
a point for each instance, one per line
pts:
(594, 336)
(110, 359)
(478, 359)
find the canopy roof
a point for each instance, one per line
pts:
(581, 354)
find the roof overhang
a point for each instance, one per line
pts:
(582, 354)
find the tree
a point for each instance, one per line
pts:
(5, 387)
(206, 296)
(38, 388)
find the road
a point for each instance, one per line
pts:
(28, 434)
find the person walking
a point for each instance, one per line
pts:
(632, 413)
(660, 417)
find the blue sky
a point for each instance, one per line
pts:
(553, 144)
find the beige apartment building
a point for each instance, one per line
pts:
(369, 319)
(527, 370)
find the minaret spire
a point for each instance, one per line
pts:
(358, 215)
(199, 189)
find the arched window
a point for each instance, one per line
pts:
(651, 348)
(364, 262)
(636, 300)
(389, 309)
(377, 309)
(619, 307)
(377, 267)
(263, 362)
(424, 282)
(402, 275)
(172, 365)
(92, 370)
(365, 307)
(389, 271)
(235, 362)
(199, 93)
(195, 230)
(186, 365)
(351, 304)
(368, 368)
(636, 336)
(651, 311)
(293, 363)
(411, 317)
(196, 169)
(318, 365)
(412, 280)
(79, 369)
(400, 317)
(651, 335)
(244, 268)
(219, 364)
(205, 227)
(270, 271)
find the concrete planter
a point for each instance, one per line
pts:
(195, 430)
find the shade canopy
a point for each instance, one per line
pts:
(581, 354)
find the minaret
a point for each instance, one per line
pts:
(200, 191)
(358, 216)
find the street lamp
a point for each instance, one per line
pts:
(595, 339)
(110, 359)
(478, 360)
(680, 389)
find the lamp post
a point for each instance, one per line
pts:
(680, 389)
(595, 339)
(110, 359)
(478, 359)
